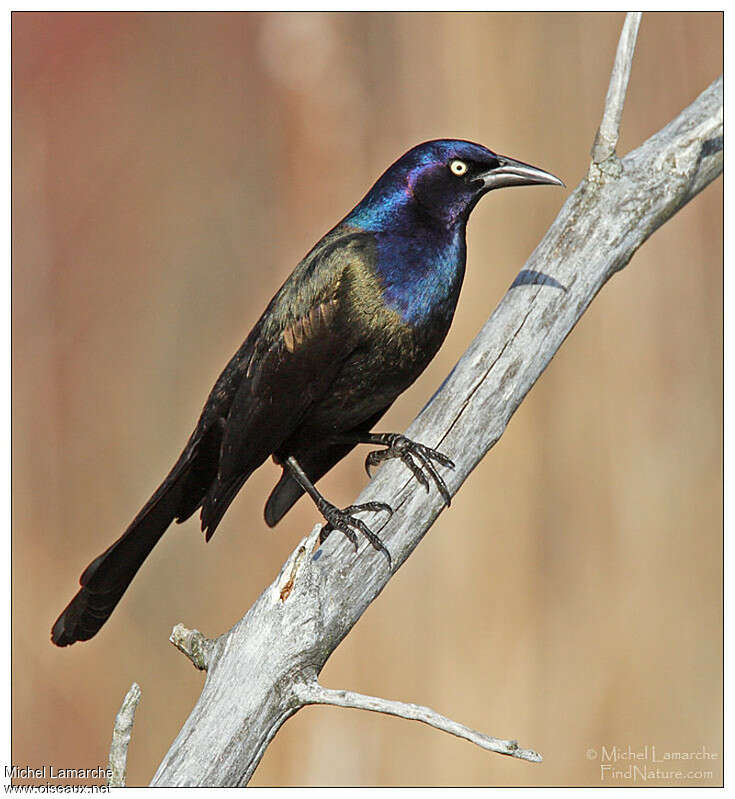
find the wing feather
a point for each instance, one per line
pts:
(302, 340)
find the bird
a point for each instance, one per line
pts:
(352, 327)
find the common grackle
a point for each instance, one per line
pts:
(353, 326)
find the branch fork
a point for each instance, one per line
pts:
(606, 140)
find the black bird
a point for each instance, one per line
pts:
(354, 325)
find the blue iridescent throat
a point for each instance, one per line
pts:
(420, 264)
(421, 278)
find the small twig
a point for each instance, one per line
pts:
(121, 732)
(609, 130)
(193, 644)
(312, 693)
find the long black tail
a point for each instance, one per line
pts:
(105, 579)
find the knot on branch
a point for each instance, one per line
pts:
(197, 647)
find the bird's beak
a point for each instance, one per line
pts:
(515, 173)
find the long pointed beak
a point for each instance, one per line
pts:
(510, 172)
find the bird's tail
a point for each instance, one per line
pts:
(107, 577)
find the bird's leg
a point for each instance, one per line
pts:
(418, 457)
(342, 520)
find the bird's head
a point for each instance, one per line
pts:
(444, 179)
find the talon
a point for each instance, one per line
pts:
(346, 523)
(374, 507)
(444, 491)
(429, 466)
(324, 533)
(373, 459)
(344, 528)
(398, 446)
(440, 457)
(417, 473)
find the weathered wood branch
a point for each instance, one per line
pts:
(312, 693)
(121, 733)
(193, 644)
(606, 139)
(257, 671)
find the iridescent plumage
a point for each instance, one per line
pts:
(353, 326)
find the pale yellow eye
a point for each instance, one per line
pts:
(458, 167)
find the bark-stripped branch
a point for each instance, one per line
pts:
(607, 134)
(265, 668)
(312, 693)
(192, 644)
(121, 732)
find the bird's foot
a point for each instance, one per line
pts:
(346, 522)
(409, 452)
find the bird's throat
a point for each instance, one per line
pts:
(421, 276)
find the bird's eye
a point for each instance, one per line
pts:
(458, 167)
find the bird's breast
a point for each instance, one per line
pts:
(421, 275)
(391, 348)
(396, 302)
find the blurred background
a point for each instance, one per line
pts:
(169, 170)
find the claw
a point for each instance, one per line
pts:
(417, 472)
(398, 446)
(324, 533)
(375, 507)
(441, 458)
(373, 459)
(440, 484)
(344, 521)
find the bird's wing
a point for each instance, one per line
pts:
(287, 361)
(302, 340)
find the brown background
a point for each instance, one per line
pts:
(169, 171)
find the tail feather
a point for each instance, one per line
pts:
(283, 497)
(107, 577)
(218, 499)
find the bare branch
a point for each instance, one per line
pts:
(193, 644)
(312, 693)
(287, 636)
(607, 135)
(121, 732)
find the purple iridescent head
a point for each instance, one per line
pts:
(443, 180)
